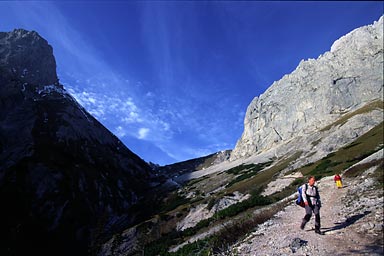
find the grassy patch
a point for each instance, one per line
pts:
(378, 104)
(357, 170)
(240, 168)
(194, 181)
(248, 171)
(211, 203)
(324, 168)
(208, 183)
(255, 200)
(248, 168)
(261, 178)
(379, 176)
(298, 181)
(338, 161)
(161, 245)
(174, 201)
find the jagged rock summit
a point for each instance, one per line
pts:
(317, 93)
(27, 57)
(65, 180)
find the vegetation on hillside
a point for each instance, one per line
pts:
(237, 220)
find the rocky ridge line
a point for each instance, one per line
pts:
(317, 93)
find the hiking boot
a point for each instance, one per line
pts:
(302, 225)
(317, 231)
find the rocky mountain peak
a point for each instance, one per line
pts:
(27, 57)
(361, 36)
(64, 178)
(317, 93)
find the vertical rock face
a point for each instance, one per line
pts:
(65, 180)
(317, 92)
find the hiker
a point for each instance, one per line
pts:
(312, 203)
(337, 179)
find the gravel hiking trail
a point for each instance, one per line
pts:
(348, 230)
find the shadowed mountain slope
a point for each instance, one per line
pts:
(65, 180)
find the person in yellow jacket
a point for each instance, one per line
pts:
(337, 179)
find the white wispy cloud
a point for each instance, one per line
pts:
(172, 116)
(122, 113)
(143, 132)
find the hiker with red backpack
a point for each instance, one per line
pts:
(312, 203)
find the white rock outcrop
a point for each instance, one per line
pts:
(317, 93)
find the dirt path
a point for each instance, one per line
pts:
(282, 235)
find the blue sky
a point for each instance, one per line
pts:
(173, 79)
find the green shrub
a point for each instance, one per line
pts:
(250, 171)
(357, 170)
(173, 202)
(211, 203)
(298, 181)
(200, 225)
(324, 168)
(254, 200)
(240, 178)
(161, 245)
(236, 170)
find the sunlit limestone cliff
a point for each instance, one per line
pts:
(317, 93)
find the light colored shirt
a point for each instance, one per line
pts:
(309, 193)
